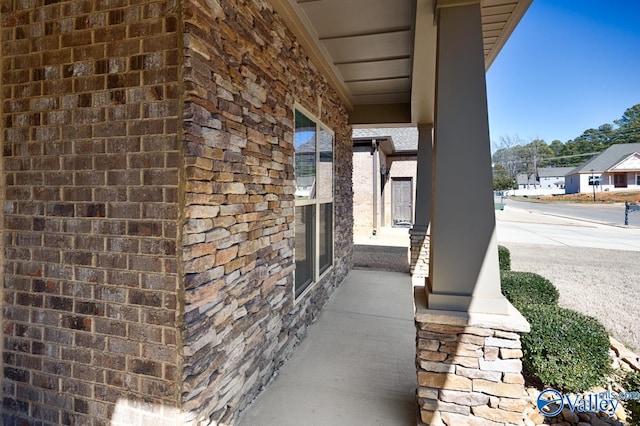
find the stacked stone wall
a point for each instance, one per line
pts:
(244, 73)
(469, 376)
(419, 252)
(90, 107)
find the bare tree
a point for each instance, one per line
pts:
(509, 154)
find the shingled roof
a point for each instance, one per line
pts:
(607, 158)
(403, 138)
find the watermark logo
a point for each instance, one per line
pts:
(550, 402)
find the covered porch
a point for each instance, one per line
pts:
(158, 252)
(356, 364)
(422, 64)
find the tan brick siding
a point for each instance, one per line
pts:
(363, 192)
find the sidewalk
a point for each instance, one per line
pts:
(355, 366)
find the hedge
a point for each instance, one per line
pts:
(631, 383)
(565, 349)
(504, 258)
(526, 288)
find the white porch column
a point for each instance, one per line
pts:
(464, 272)
(420, 231)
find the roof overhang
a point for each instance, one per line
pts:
(379, 55)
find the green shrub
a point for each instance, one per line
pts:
(565, 349)
(526, 288)
(631, 383)
(504, 258)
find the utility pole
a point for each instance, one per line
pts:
(593, 184)
(535, 164)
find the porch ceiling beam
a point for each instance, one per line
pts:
(381, 115)
(366, 34)
(366, 61)
(424, 69)
(363, 80)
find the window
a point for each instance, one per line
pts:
(313, 159)
(638, 180)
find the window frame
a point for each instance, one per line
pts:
(317, 202)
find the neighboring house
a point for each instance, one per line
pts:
(614, 169)
(178, 205)
(548, 180)
(384, 176)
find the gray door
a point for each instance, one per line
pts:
(401, 200)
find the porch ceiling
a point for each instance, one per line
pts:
(380, 54)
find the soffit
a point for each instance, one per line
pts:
(380, 54)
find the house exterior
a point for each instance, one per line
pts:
(178, 205)
(617, 168)
(384, 175)
(548, 181)
(551, 178)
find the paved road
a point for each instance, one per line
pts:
(603, 213)
(523, 226)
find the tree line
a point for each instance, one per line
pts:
(515, 156)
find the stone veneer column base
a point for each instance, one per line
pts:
(419, 254)
(469, 367)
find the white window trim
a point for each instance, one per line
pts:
(318, 277)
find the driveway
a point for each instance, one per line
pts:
(595, 267)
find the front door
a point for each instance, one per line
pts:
(620, 180)
(402, 201)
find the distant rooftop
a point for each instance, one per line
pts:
(403, 138)
(608, 158)
(543, 172)
(554, 171)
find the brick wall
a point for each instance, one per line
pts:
(148, 221)
(90, 156)
(242, 81)
(399, 166)
(362, 187)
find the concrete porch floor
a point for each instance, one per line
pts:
(356, 365)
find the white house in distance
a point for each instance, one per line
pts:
(550, 180)
(614, 169)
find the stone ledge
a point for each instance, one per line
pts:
(513, 321)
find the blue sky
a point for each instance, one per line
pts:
(570, 65)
